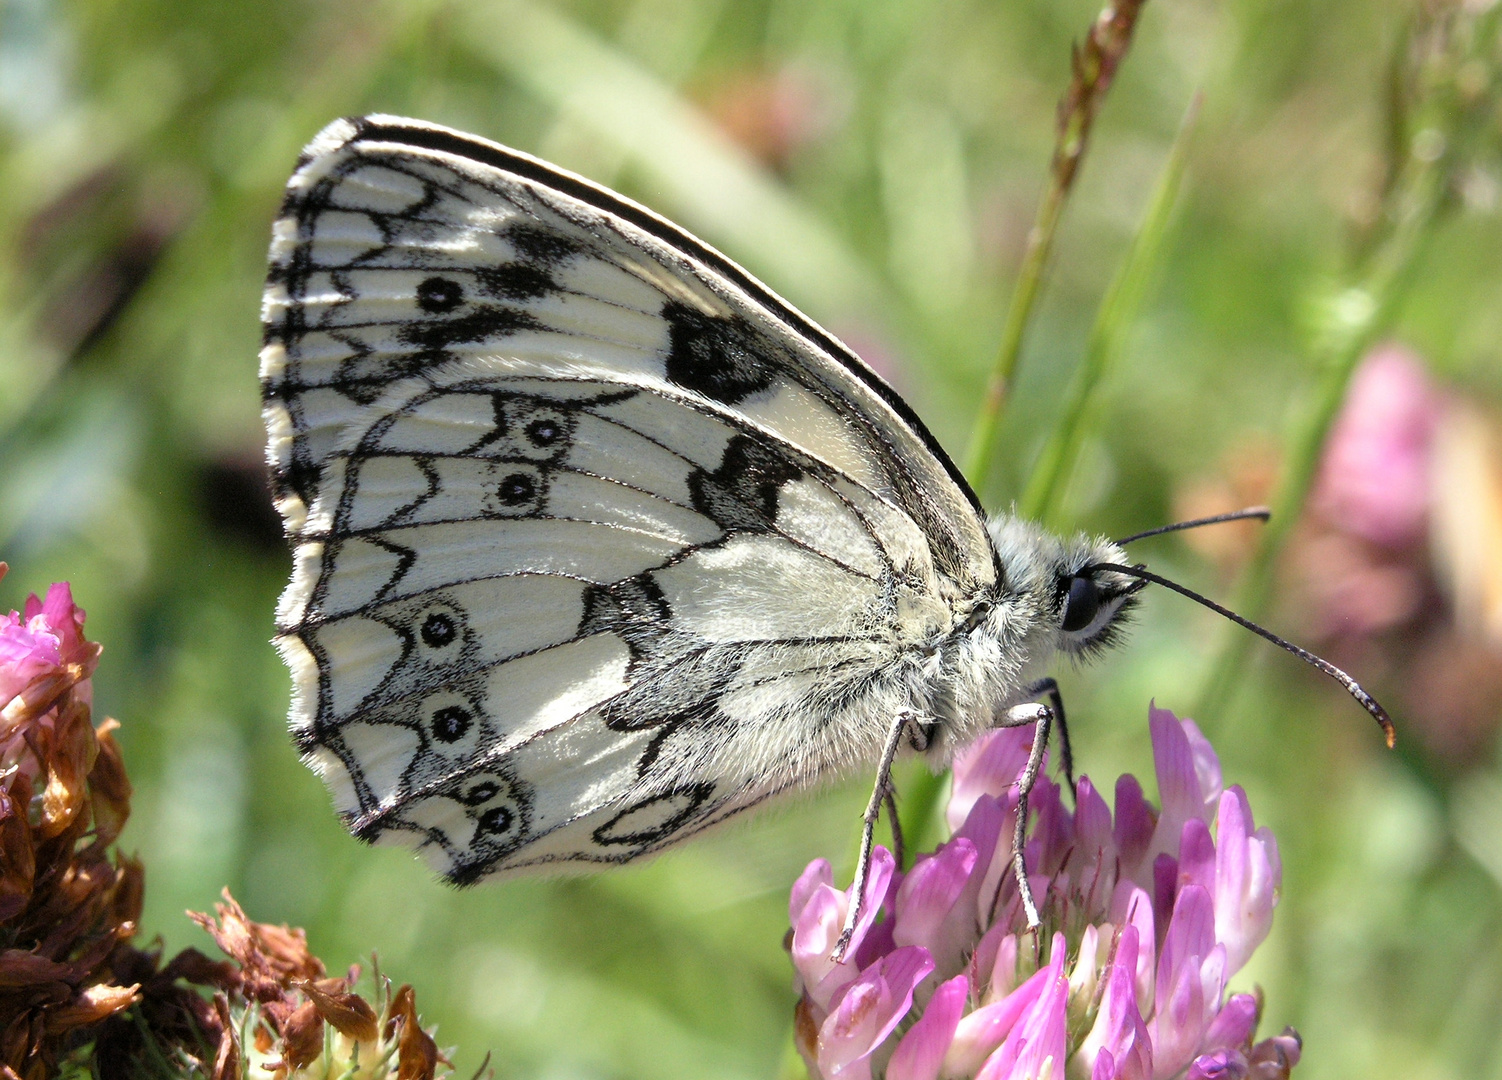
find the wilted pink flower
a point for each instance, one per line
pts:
(47, 637)
(43, 656)
(1147, 916)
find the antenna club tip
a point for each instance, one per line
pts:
(1379, 714)
(1389, 730)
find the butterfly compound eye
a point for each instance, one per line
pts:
(1083, 603)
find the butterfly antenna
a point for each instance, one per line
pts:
(1352, 687)
(1261, 513)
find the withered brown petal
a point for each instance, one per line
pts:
(40, 695)
(195, 967)
(348, 1012)
(288, 947)
(227, 1060)
(277, 954)
(806, 1030)
(417, 1053)
(230, 934)
(302, 1036)
(21, 968)
(109, 785)
(1274, 1058)
(130, 890)
(18, 870)
(17, 1039)
(91, 1005)
(72, 756)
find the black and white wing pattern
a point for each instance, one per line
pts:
(596, 540)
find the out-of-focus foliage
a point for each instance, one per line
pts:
(878, 162)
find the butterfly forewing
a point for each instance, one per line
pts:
(588, 525)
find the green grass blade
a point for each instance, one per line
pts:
(1094, 64)
(1117, 312)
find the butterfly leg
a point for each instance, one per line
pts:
(882, 792)
(1020, 716)
(899, 849)
(1050, 687)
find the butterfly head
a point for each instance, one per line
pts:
(1081, 590)
(1078, 604)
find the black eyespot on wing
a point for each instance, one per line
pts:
(479, 793)
(450, 723)
(544, 432)
(719, 358)
(497, 820)
(517, 489)
(529, 429)
(438, 630)
(439, 295)
(501, 808)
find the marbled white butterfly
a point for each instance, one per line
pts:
(598, 541)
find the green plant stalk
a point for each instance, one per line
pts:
(1367, 310)
(1093, 67)
(981, 452)
(1118, 311)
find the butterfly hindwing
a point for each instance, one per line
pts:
(596, 541)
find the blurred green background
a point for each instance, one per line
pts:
(879, 163)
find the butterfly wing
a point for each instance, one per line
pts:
(596, 540)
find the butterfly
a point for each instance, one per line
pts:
(597, 541)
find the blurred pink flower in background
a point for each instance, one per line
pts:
(1398, 560)
(1374, 479)
(1361, 557)
(775, 114)
(1146, 917)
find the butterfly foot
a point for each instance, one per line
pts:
(842, 945)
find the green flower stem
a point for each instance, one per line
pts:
(1118, 310)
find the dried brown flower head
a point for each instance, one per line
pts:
(67, 906)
